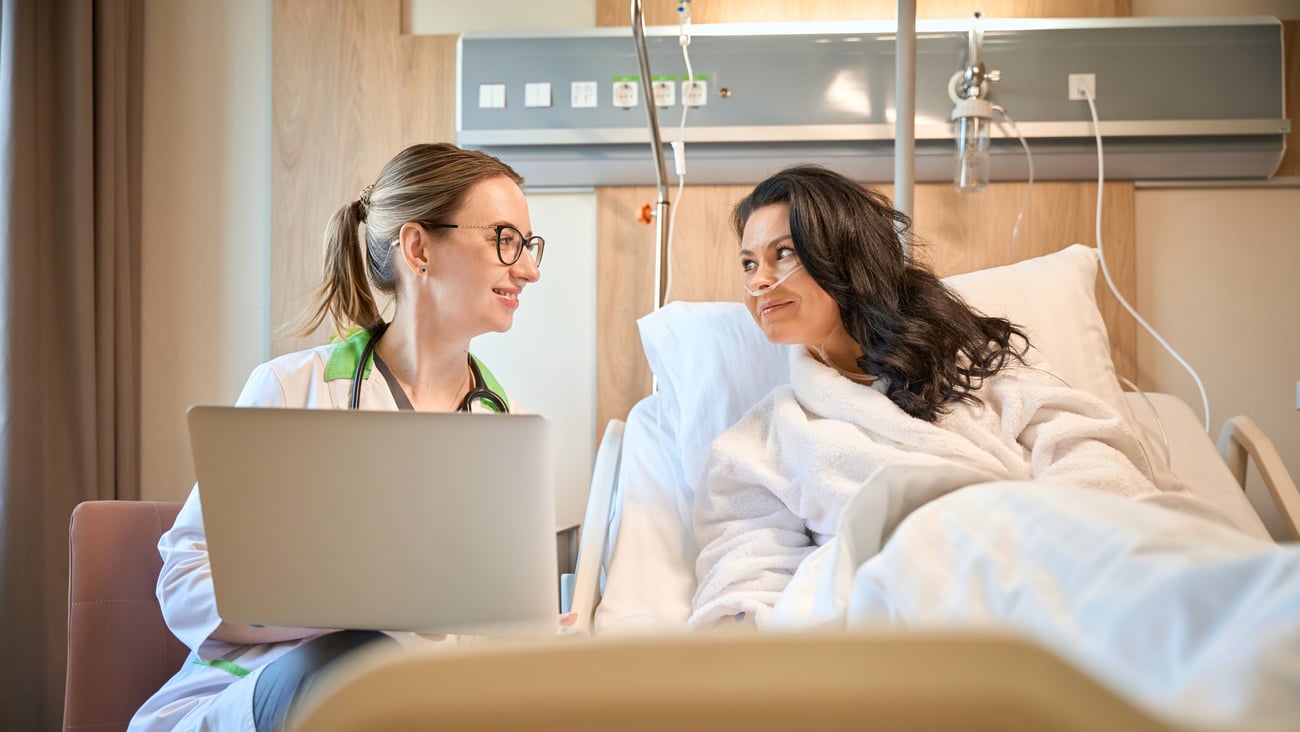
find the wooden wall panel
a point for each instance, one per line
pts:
(703, 267)
(959, 233)
(1291, 68)
(349, 92)
(965, 232)
(618, 12)
(427, 106)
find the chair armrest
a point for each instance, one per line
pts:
(1241, 441)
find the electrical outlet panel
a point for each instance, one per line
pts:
(665, 90)
(626, 90)
(584, 94)
(1078, 82)
(695, 93)
(537, 94)
(826, 93)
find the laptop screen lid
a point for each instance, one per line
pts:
(369, 520)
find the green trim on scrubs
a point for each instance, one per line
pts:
(227, 666)
(344, 357)
(346, 354)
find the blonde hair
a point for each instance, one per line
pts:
(425, 182)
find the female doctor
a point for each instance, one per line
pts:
(447, 234)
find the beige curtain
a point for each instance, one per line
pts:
(70, 127)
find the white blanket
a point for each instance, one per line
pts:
(777, 482)
(1173, 609)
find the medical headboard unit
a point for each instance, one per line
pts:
(1178, 98)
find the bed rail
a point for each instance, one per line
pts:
(595, 527)
(1241, 441)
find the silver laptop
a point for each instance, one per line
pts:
(369, 520)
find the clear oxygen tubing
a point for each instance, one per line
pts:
(1029, 187)
(1164, 435)
(657, 151)
(820, 350)
(679, 145)
(864, 379)
(755, 292)
(1101, 179)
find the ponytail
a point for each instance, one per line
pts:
(344, 295)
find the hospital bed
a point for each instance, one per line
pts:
(636, 565)
(634, 668)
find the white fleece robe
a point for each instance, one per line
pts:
(776, 483)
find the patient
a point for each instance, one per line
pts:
(894, 369)
(446, 233)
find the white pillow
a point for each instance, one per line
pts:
(713, 363)
(1054, 299)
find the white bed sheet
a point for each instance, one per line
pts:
(650, 571)
(650, 581)
(1170, 607)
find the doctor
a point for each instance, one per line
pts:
(447, 235)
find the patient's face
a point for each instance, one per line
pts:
(796, 310)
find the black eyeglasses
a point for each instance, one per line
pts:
(511, 242)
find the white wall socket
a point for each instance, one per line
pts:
(625, 94)
(695, 93)
(665, 93)
(1082, 80)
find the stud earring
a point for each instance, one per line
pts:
(423, 270)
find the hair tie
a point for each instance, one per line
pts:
(364, 199)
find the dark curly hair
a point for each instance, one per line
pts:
(931, 347)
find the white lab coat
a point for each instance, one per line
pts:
(208, 698)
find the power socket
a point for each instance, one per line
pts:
(1076, 81)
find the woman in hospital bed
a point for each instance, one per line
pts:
(924, 468)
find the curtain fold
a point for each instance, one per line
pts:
(70, 139)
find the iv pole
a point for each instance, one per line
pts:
(657, 152)
(905, 111)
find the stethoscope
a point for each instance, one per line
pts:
(478, 393)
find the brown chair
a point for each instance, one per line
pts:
(119, 649)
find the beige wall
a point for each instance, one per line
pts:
(1216, 275)
(206, 219)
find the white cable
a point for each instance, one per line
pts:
(1024, 203)
(679, 145)
(672, 219)
(1101, 178)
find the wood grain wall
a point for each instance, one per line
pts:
(349, 91)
